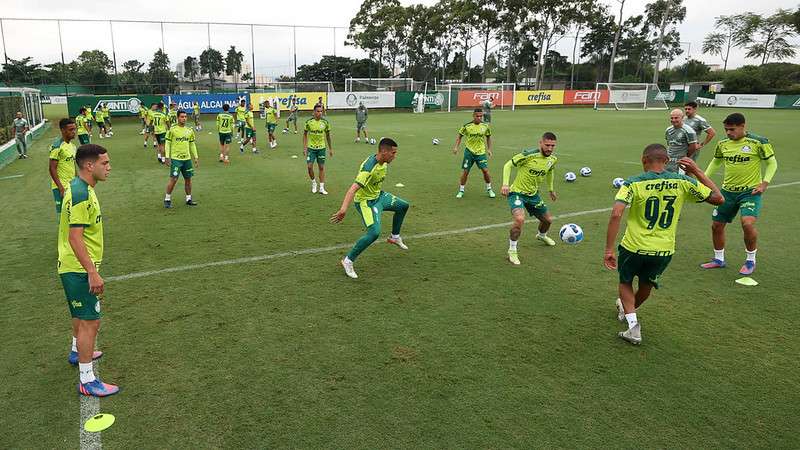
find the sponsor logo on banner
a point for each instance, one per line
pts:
(476, 98)
(350, 100)
(548, 97)
(667, 96)
(436, 99)
(585, 97)
(130, 105)
(209, 103)
(796, 103)
(305, 101)
(745, 100)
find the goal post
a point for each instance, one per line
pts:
(379, 84)
(296, 86)
(630, 97)
(473, 95)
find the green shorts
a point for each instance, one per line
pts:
(316, 154)
(532, 203)
(83, 139)
(58, 198)
(271, 127)
(161, 137)
(361, 126)
(108, 122)
(471, 158)
(647, 267)
(82, 304)
(249, 133)
(743, 202)
(225, 138)
(181, 167)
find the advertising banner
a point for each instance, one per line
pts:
(476, 98)
(585, 97)
(305, 100)
(350, 100)
(745, 100)
(623, 96)
(787, 101)
(404, 99)
(209, 103)
(118, 105)
(527, 98)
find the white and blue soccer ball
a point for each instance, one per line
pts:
(569, 177)
(284, 131)
(586, 171)
(372, 141)
(435, 141)
(617, 182)
(571, 234)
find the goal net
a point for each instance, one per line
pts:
(630, 96)
(297, 86)
(476, 95)
(379, 84)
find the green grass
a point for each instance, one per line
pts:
(443, 346)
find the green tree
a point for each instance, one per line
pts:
(191, 68)
(769, 36)
(667, 13)
(211, 64)
(370, 27)
(730, 34)
(161, 78)
(92, 69)
(233, 65)
(20, 70)
(132, 78)
(598, 41)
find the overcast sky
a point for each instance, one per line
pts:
(273, 45)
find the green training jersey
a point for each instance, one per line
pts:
(196, 108)
(180, 143)
(370, 178)
(64, 153)
(172, 116)
(656, 200)
(159, 122)
(316, 129)
(272, 115)
(476, 136)
(106, 112)
(80, 209)
(248, 120)
(143, 112)
(89, 112)
(742, 161)
(224, 123)
(697, 123)
(98, 116)
(678, 140)
(149, 116)
(241, 111)
(532, 166)
(82, 122)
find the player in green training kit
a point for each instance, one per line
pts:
(741, 155)
(196, 115)
(80, 253)
(180, 151)
(479, 143)
(148, 130)
(172, 115)
(89, 118)
(317, 132)
(371, 201)
(107, 119)
(292, 116)
(158, 121)
(656, 198)
(143, 113)
(249, 132)
(225, 130)
(101, 122)
(83, 126)
(241, 114)
(523, 195)
(697, 123)
(62, 161)
(272, 123)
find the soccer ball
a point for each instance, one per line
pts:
(585, 171)
(571, 234)
(372, 141)
(435, 141)
(617, 182)
(285, 131)
(110, 133)
(569, 177)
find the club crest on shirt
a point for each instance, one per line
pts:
(746, 149)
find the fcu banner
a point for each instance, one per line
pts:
(585, 97)
(476, 98)
(350, 100)
(745, 100)
(305, 100)
(524, 98)
(209, 103)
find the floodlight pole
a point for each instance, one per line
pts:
(294, 49)
(253, 55)
(5, 55)
(162, 36)
(114, 53)
(616, 43)
(63, 63)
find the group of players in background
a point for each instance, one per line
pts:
(655, 197)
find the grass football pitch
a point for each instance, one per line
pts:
(445, 345)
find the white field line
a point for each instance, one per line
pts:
(12, 176)
(315, 250)
(90, 407)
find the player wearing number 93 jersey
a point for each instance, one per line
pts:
(656, 198)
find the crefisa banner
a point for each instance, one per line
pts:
(351, 100)
(209, 103)
(305, 101)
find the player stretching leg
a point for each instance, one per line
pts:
(531, 166)
(479, 143)
(371, 201)
(656, 198)
(741, 156)
(317, 132)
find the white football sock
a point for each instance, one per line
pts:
(719, 254)
(751, 256)
(631, 318)
(395, 236)
(461, 188)
(512, 245)
(347, 260)
(74, 344)
(188, 197)
(540, 234)
(322, 185)
(86, 372)
(488, 186)
(168, 197)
